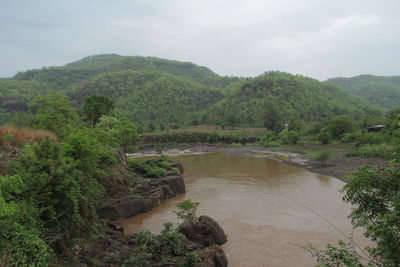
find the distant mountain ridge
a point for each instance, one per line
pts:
(156, 93)
(381, 90)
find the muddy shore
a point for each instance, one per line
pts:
(338, 166)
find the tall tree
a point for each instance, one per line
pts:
(53, 112)
(96, 106)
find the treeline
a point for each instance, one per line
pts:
(275, 98)
(383, 91)
(158, 94)
(342, 129)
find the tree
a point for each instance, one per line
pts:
(121, 133)
(375, 196)
(340, 125)
(96, 106)
(53, 112)
(322, 156)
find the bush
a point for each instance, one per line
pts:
(155, 168)
(187, 211)
(380, 151)
(322, 156)
(324, 138)
(288, 137)
(371, 139)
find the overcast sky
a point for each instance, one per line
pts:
(316, 38)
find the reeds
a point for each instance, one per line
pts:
(21, 136)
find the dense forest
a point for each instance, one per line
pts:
(380, 90)
(159, 94)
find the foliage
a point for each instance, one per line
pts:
(53, 113)
(191, 259)
(211, 137)
(187, 211)
(376, 196)
(276, 98)
(288, 137)
(151, 248)
(324, 138)
(343, 255)
(322, 156)
(52, 184)
(170, 240)
(155, 168)
(385, 151)
(96, 106)
(121, 133)
(380, 90)
(340, 125)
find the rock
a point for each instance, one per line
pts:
(176, 184)
(115, 226)
(152, 192)
(108, 212)
(213, 256)
(179, 166)
(205, 232)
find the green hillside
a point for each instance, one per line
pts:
(275, 98)
(153, 100)
(157, 93)
(381, 90)
(63, 77)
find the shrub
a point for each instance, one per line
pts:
(371, 139)
(187, 211)
(380, 151)
(155, 168)
(324, 138)
(322, 156)
(288, 137)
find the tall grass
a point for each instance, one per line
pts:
(380, 151)
(21, 136)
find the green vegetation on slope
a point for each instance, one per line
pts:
(380, 90)
(273, 99)
(159, 94)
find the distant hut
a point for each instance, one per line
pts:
(375, 128)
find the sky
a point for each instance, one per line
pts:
(316, 38)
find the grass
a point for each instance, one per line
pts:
(380, 151)
(21, 136)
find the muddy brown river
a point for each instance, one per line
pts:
(270, 211)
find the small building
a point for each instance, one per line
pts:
(376, 128)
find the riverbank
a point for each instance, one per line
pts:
(338, 165)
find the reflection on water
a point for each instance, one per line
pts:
(270, 211)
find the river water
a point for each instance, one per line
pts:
(269, 210)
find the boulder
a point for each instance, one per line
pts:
(176, 184)
(205, 232)
(212, 256)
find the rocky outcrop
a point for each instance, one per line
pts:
(147, 194)
(204, 232)
(212, 256)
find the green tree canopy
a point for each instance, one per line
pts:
(96, 106)
(53, 112)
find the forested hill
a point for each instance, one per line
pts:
(63, 77)
(381, 90)
(158, 93)
(275, 98)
